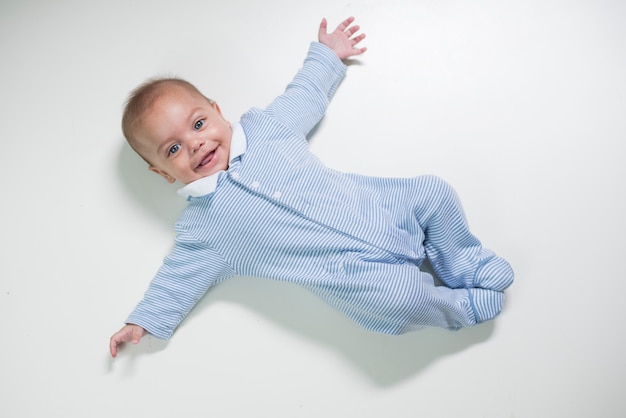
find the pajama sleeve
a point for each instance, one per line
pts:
(187, 273)
(306, 98)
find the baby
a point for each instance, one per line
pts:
(260, 204)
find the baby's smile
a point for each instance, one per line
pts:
(207, 159)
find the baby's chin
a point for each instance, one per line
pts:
(209, 172)
(199, 174)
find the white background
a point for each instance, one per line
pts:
(521, 105)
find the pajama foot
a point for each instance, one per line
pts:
(485, 303)
(494, 274)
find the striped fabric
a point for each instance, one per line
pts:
(355, 241)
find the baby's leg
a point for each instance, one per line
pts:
(456, 255)
(397, 298)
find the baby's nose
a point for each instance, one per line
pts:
(198, 144)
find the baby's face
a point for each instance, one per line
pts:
(184, 136)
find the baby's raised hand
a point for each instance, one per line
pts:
(341, 40)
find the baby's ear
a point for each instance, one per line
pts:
(215, 106)
(162, 173)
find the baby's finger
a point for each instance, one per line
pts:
(343, 25)
(113, 347)
(352, 30)
(358, 39)
(323, 25)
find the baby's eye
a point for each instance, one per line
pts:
(198, 124)
(174, 149)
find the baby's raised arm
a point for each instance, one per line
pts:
(341, 40)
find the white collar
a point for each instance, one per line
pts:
(206, 185)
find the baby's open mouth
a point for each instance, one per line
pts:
(207, 159)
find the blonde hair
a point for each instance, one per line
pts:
(141, 99)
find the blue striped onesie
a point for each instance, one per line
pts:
(355, 241)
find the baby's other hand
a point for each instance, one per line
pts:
(341, 40)
(130, 332)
